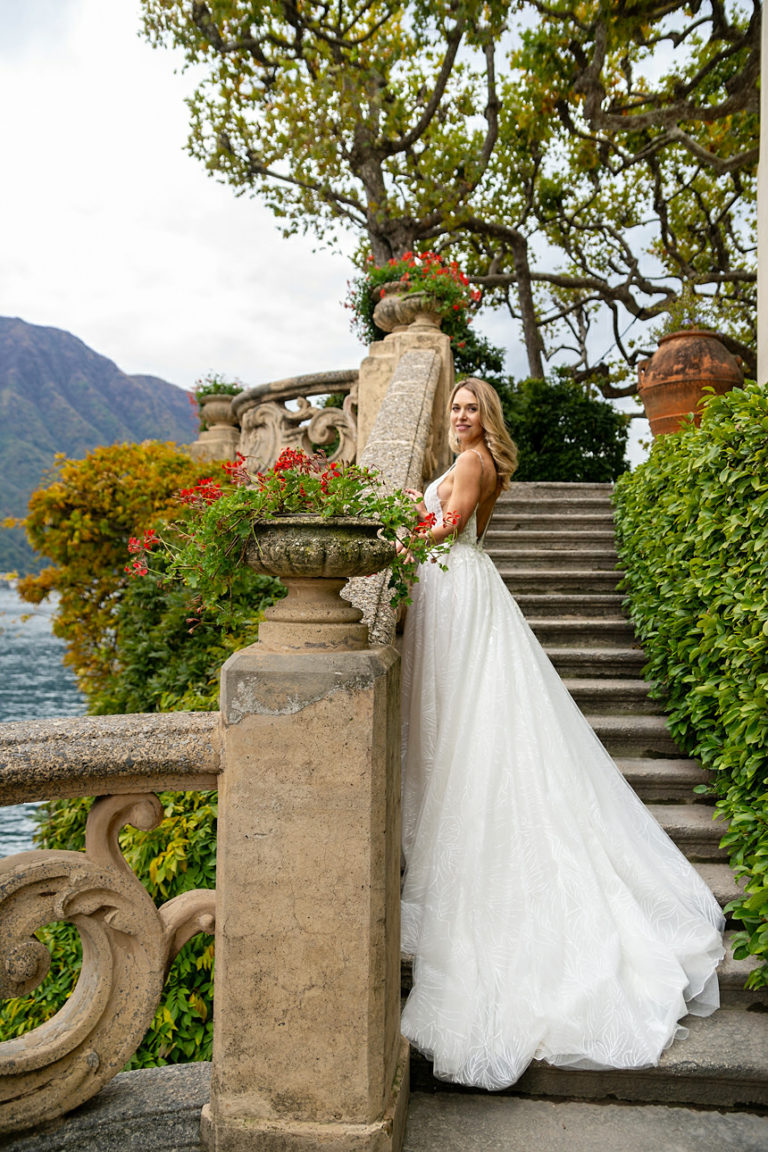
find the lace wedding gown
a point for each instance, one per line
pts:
(548, 914)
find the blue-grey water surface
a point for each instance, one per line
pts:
(33, 685)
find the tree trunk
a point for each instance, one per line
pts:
(533, 342)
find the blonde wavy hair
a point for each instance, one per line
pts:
(498, 441)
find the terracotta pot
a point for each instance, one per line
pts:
(672, 382)
(314, 556)
(400, 307)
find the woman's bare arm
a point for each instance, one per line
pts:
(463, 499)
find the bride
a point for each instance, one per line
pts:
(548, 914)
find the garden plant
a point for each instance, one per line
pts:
(693, 539)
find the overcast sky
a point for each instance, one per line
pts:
(112, 232)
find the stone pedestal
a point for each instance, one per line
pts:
(219, 443)
(307, 1047)
(377, 371)
(221, 437)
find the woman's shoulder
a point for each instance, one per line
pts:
(479, 466)
(470, 462)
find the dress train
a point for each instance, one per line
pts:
(549, 915)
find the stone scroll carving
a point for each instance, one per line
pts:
(128, 947)
(268, 424)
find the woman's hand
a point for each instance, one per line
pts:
(401, 548)
(418, 500)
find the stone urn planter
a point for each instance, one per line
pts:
(220, 433)
(314, 556)
(399, 307)
(672, 381)
(216, 409)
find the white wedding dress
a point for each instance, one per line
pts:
(548, 914)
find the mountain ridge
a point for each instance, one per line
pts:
(57, 395)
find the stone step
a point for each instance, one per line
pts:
(587, 559)
(634, 735)
(529, 515)
(501, 537)
(570, 606)
(544, 489)
(693, 828)
(572, 523)
(562, 506)
(479, 1122)
(614, 663)
(608, 696)
(720, 880)
(570, 633)
(549, 498)
(664, 779)
(557, 579)
(722, 1063)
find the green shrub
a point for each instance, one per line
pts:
(693, 539)
(167, 654)
(563, 433)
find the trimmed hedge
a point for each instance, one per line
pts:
(692, 526)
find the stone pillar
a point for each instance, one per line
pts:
(221, 437)
(762, 216)
(307, 1046)
(421, 334)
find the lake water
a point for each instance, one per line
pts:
(33, 685)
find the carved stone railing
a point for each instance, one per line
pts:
(268, 424)
(128, 943)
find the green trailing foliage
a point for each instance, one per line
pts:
(693, 539)
(563, 432)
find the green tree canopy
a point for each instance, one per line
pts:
(564, 433)
(579, 157)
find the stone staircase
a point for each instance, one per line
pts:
(554, 547)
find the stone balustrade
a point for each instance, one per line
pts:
(263, 420)
(268, 424)
(128, 943)
(90, 755)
